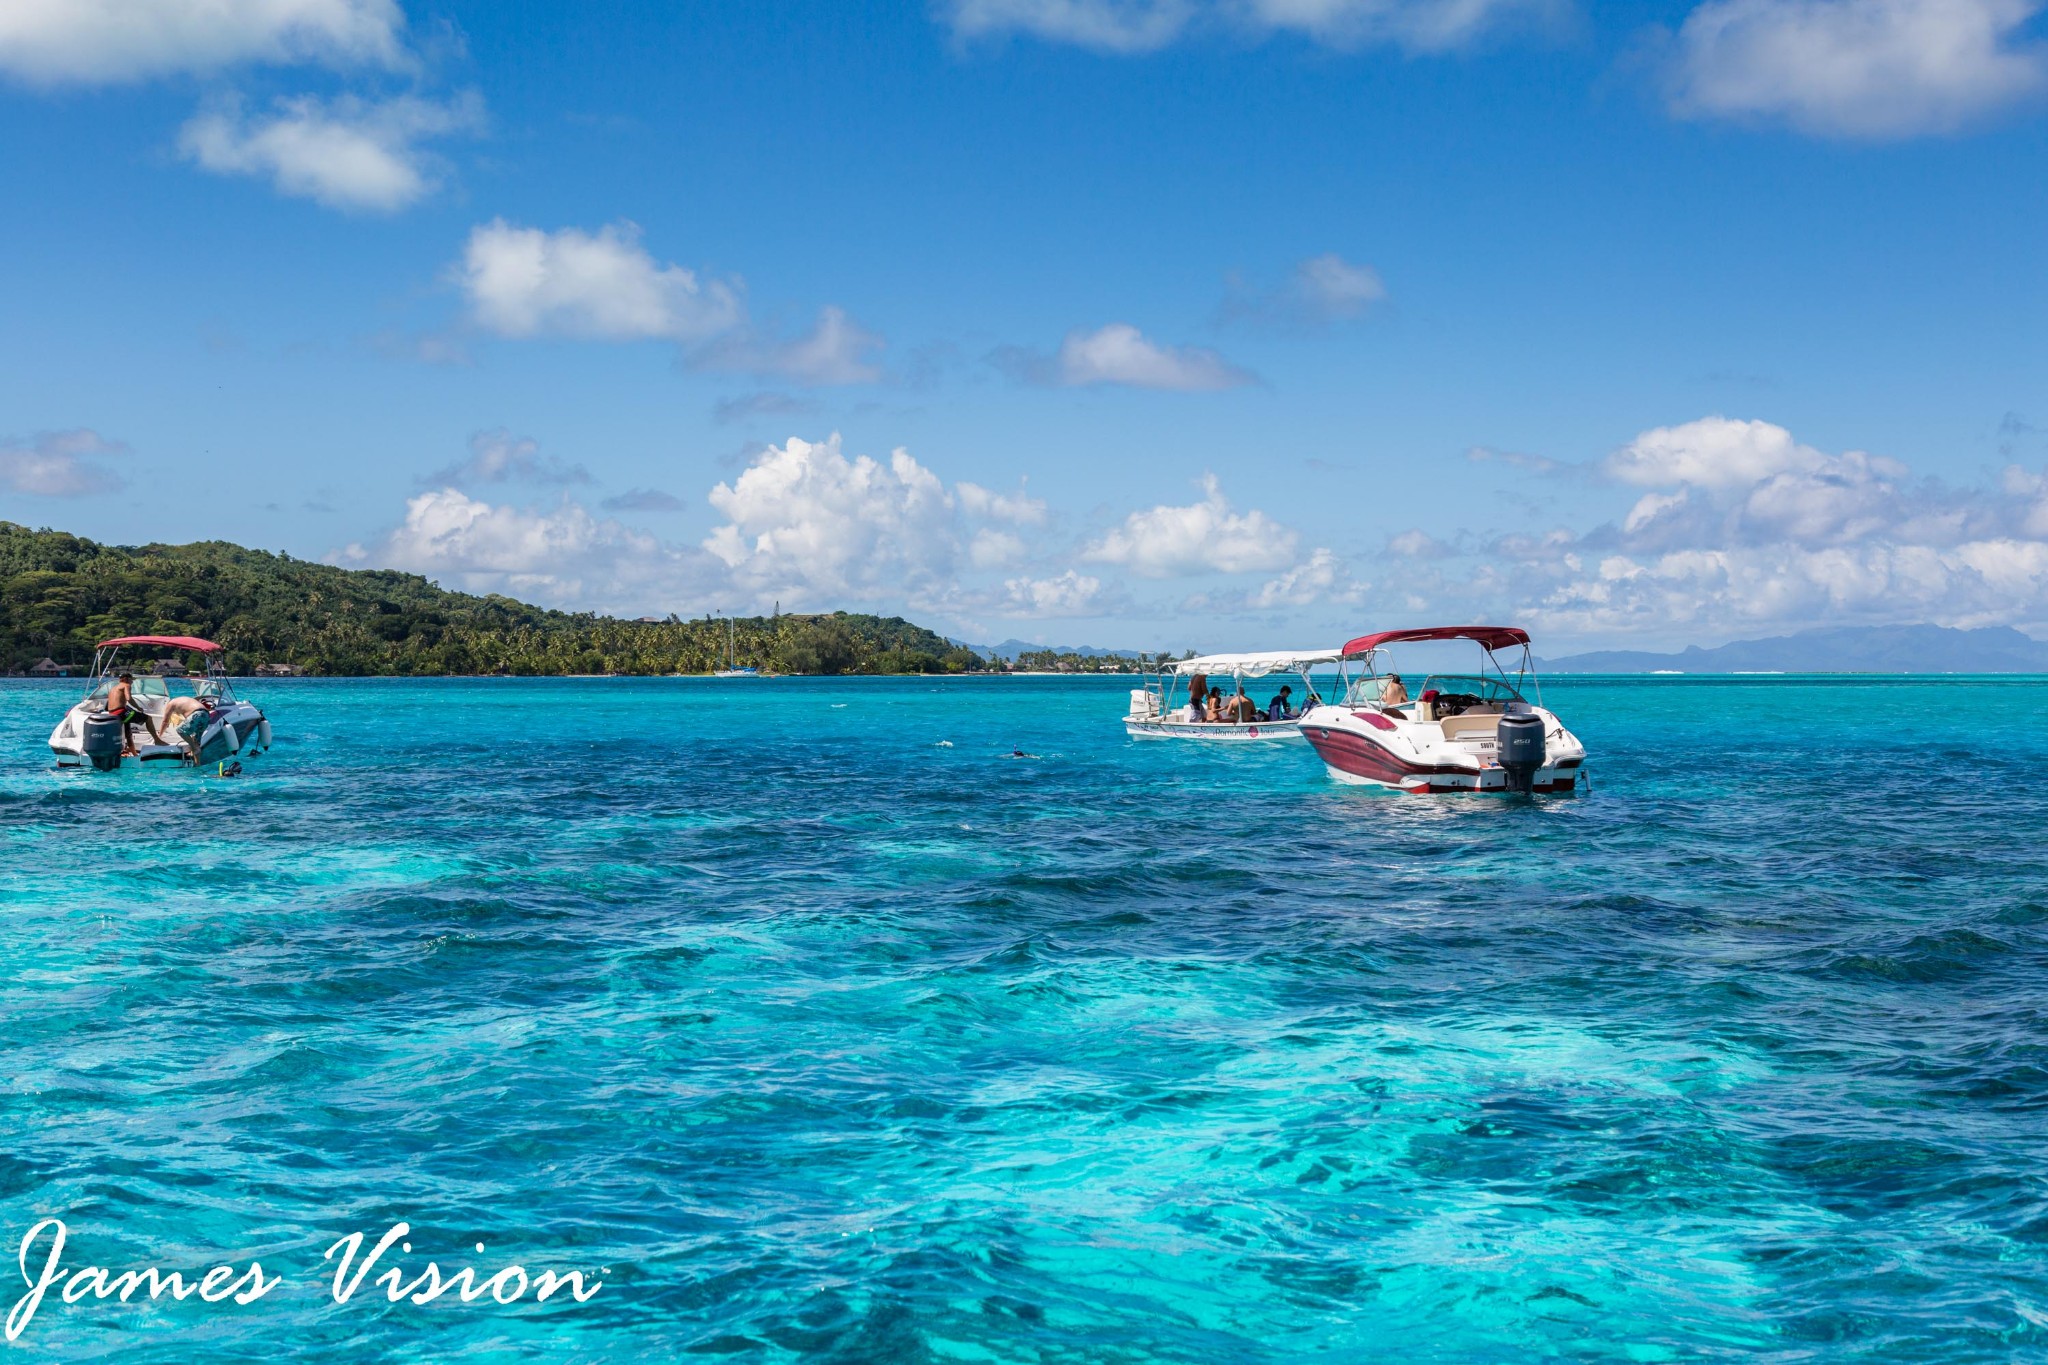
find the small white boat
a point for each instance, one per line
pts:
(732, 667)
(220, 727)
(1168, 706)
(1460, 732)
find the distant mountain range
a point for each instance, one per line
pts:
(1840, 649)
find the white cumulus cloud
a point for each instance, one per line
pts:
(1713, 452)
(524, 282)
(346, 153)
(1857, 68)
(807, 524)
(59, 464)
(1740, 527)
(100, 42)
(562, 556)
(1321, 579)
(1417, 544)
(605, 286)
(1068, 594)
(1203, 537)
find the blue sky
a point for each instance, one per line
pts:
(1214, 323)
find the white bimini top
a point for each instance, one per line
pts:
(1259, 665)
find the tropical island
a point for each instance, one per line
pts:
(61, 594)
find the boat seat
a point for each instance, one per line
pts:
(1471, 725)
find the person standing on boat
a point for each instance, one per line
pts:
(121, 705)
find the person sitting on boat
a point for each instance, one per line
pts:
(1393, 692)
(1241, 709)
(1212, 714)
(121, 706)
(1282, 705)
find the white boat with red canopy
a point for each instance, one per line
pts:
(195, 719)
(1171, 705)
(1457, 732)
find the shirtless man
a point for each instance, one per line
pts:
(121, 705)
(176, 712)
(1395, 693)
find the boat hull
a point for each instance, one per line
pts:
(1227, 734)
(1366, 751)
(240, 729)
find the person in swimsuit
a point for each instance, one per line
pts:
(176, 712)
(1395, 693)
(121, 705)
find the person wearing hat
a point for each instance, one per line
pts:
(121, 705)
(1393, 692)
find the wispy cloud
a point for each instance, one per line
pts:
(836, 350)
(524, 282)
(1320, 290)
(644, 500)
(1122, 355)
(1139, 26)
(498, 456)
(1516, 459)
(762, 404)
(105, 42)
(59, 464)
(345, 153)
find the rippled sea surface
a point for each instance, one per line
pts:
(827, 1031)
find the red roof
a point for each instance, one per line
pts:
(1490, 637)
(168, 641)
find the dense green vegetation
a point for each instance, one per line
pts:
(60, 595)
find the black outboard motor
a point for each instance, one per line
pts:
(101, 741)
(1520, 739)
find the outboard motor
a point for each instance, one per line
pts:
(1519, 736)
(101, 741)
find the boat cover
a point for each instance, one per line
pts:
(167, 641)
(1490, 637)
(1259, 665)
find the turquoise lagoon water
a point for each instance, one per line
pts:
(826, 1031)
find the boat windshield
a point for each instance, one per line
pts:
(149, 687)
(1468, 689)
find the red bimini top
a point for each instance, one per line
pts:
(168, 641)
(1489, 637)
